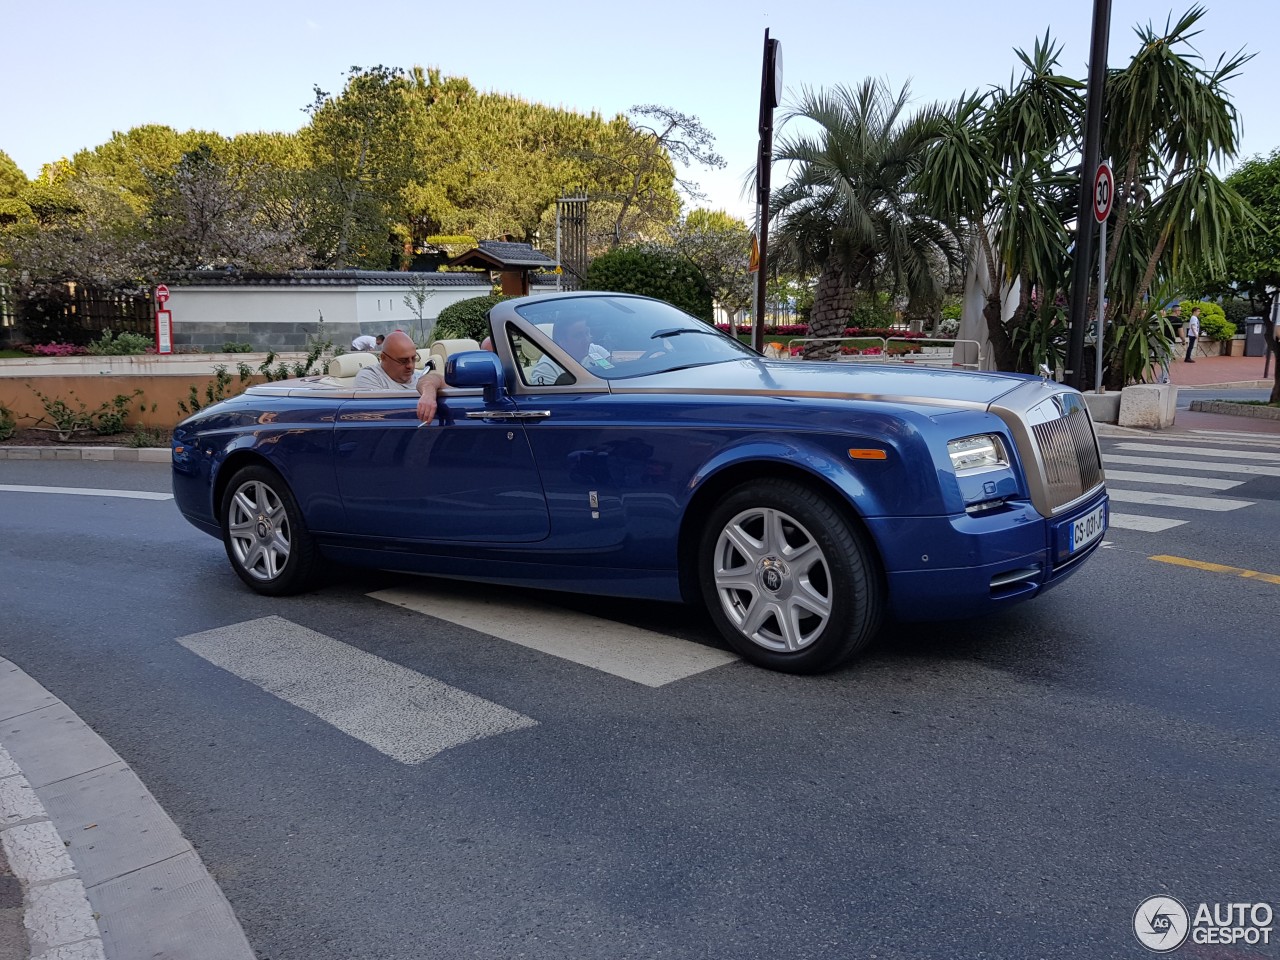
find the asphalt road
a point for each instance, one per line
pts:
(1008, 787)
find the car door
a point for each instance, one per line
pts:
(460, 478)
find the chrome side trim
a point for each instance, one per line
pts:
(508, 414)
(616, 388)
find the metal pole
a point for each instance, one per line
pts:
(755, 299)
(559, 268)
(1102, 300)
(1088, 168)
(768, 100)
(1266, 364)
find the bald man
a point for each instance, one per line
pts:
(397, 370)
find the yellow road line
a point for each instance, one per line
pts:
(1219, 568)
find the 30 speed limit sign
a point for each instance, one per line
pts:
(1104, 188)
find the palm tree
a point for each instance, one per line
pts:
(851, 208)
(1169, 121)
(999, 169)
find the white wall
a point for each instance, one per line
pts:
(289, 304)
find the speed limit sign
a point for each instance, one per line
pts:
(1104, 188)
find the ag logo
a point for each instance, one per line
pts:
(1161, 924)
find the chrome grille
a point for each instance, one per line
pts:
(1068, 451)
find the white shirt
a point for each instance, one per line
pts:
(546, 370)
(1193, 326)
(365, 342)
(375, 378)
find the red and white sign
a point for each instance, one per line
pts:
(164, 331)
(162, 294)
(1104, 188)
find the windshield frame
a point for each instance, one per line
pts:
(532, 317)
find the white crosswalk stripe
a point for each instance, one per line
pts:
(1155, 498)
(1203, 483)
(397, 711)
(1179, 465)
(1235, 452)
(1130, 521)
(1249, 469)
(1228, 437)
(632, 653)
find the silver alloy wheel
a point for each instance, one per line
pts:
(772, 579)
(259, 530)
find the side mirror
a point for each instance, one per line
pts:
(476, 368)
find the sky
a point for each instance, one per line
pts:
(74, 72)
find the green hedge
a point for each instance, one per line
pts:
(467, 318)
(653, 272)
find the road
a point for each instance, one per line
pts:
(1008, 787)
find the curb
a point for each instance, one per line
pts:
(132, 454)
(1231, 385)
(105, 873)
(1236, 409)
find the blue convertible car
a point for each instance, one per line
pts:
(801, 502)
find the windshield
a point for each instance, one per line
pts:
(620, 337)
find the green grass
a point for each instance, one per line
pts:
(12, 354)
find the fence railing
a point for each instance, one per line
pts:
(932, 352)
(80, 313)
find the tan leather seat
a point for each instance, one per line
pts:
(441, 350)
(343, 369)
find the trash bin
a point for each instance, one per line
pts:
(1255, 342)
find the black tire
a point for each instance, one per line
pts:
(267, 540)
(788, 580)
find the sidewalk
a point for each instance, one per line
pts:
(91, 867)
(1236, 373)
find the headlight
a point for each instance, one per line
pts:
(983, 452)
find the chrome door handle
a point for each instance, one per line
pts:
(508, 414)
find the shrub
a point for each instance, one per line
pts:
(120, 345)
(232, 347)
(147, 437)
(1214, 324)
(8, 422)
(871, 310)
(1238, 311)
(653, 272)
(68, 420)
(55, 350)
(110, 417)
(213, 392)
(62, 417)
(467, 318)
(948, 326)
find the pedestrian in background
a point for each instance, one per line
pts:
(1175, 320)
(1193, 331)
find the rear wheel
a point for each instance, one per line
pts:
(266, 538)
(787, 578)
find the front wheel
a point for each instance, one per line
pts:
(787, 578)
(266, 538)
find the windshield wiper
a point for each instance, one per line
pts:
(676, 331)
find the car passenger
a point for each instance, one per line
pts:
(575, 336)
(396, 371)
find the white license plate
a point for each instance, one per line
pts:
(1088, 528)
